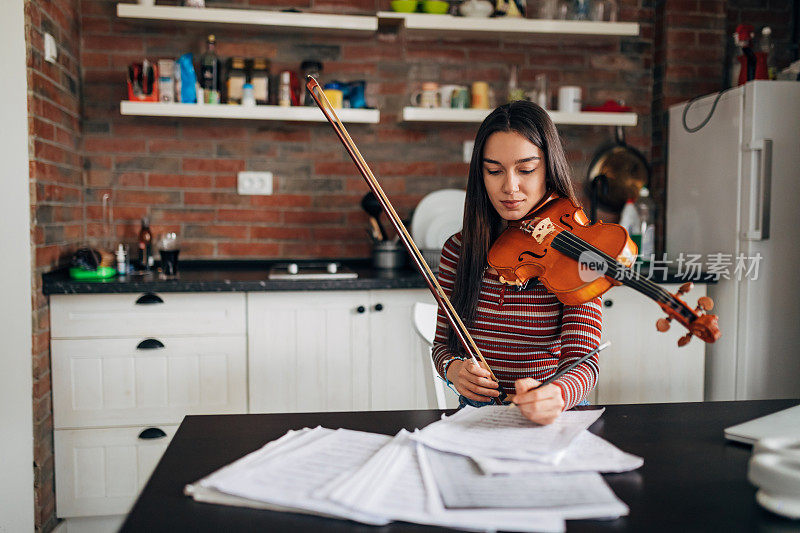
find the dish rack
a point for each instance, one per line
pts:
(432, 257)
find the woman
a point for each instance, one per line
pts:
(524, 334)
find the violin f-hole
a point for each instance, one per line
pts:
(532, 254)
(567, 224)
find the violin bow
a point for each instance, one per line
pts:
(450, 313)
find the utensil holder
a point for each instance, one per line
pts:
(388, 255)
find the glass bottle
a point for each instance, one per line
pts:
(310, 68)
(285, 89)
(146, 260)
(259, 79)
(210, 72)
(767, 47)
(646, 209)
(236, 80)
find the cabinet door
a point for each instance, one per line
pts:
(123, 382)
(643, 365)
(308, 351)
(101, 471)
(401, 373)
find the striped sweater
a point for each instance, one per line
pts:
(525, 332)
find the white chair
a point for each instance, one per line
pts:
(424, 315)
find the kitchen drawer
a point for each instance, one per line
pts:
(136, 314)
(131, 381)
(101, 471)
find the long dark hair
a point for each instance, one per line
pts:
(482, 224)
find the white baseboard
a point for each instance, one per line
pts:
(92, 524)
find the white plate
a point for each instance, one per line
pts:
(441, 229)
(447, 203)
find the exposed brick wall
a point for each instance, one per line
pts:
(56, 203)
(182, 172)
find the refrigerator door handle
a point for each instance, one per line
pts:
(758, 230)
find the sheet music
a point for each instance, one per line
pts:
(587, 453)
(504, 432)
(574, 495)
(290, 479)
(399, 493)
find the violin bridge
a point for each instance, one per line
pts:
(539, 229)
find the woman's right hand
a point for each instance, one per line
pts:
(472, 381)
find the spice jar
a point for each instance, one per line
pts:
(259, 79)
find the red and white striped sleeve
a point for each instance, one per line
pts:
(581, 326)
(447, 275)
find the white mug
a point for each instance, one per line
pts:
(569, 99)
(446, 94)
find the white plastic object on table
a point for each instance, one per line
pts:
(775, 469)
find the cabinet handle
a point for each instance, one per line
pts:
(149, 298)
(379, 307)
(152, 433)
(608, 303)
(360, 309)
(149, 344)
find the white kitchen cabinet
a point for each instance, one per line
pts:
(335, 351)
(101, 471)
(399, 370)
(126, 369)
(643, 365)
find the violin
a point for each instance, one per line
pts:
(578, 261)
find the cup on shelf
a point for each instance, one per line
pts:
(480, 95)
(569, 99)
(460, 97)
(446, 95)
(335, 96)
(427, 97)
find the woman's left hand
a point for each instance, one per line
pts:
(541, 405)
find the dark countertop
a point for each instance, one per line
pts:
(251, 276)
(692, 478)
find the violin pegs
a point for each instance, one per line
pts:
(705, 303)
(683, 341)
(662, 324)
(686, 287)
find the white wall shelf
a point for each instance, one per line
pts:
(261, 112)
(499, 28)
(276, 20)
(586, 118)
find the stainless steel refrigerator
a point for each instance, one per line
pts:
(733, 187)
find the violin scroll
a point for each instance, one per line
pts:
(700, 324)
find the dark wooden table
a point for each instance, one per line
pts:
(692, 478)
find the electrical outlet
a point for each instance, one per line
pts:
(467, 154)
(50, 48)
(255, 183)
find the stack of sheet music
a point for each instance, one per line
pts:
(480, 469)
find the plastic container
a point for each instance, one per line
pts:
(646, 209)
(102, 272)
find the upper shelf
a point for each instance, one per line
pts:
(415, 23)
(276, 20)
(585, 118)
(260, 112)
(495, 28)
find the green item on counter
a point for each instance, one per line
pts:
(102, 272)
